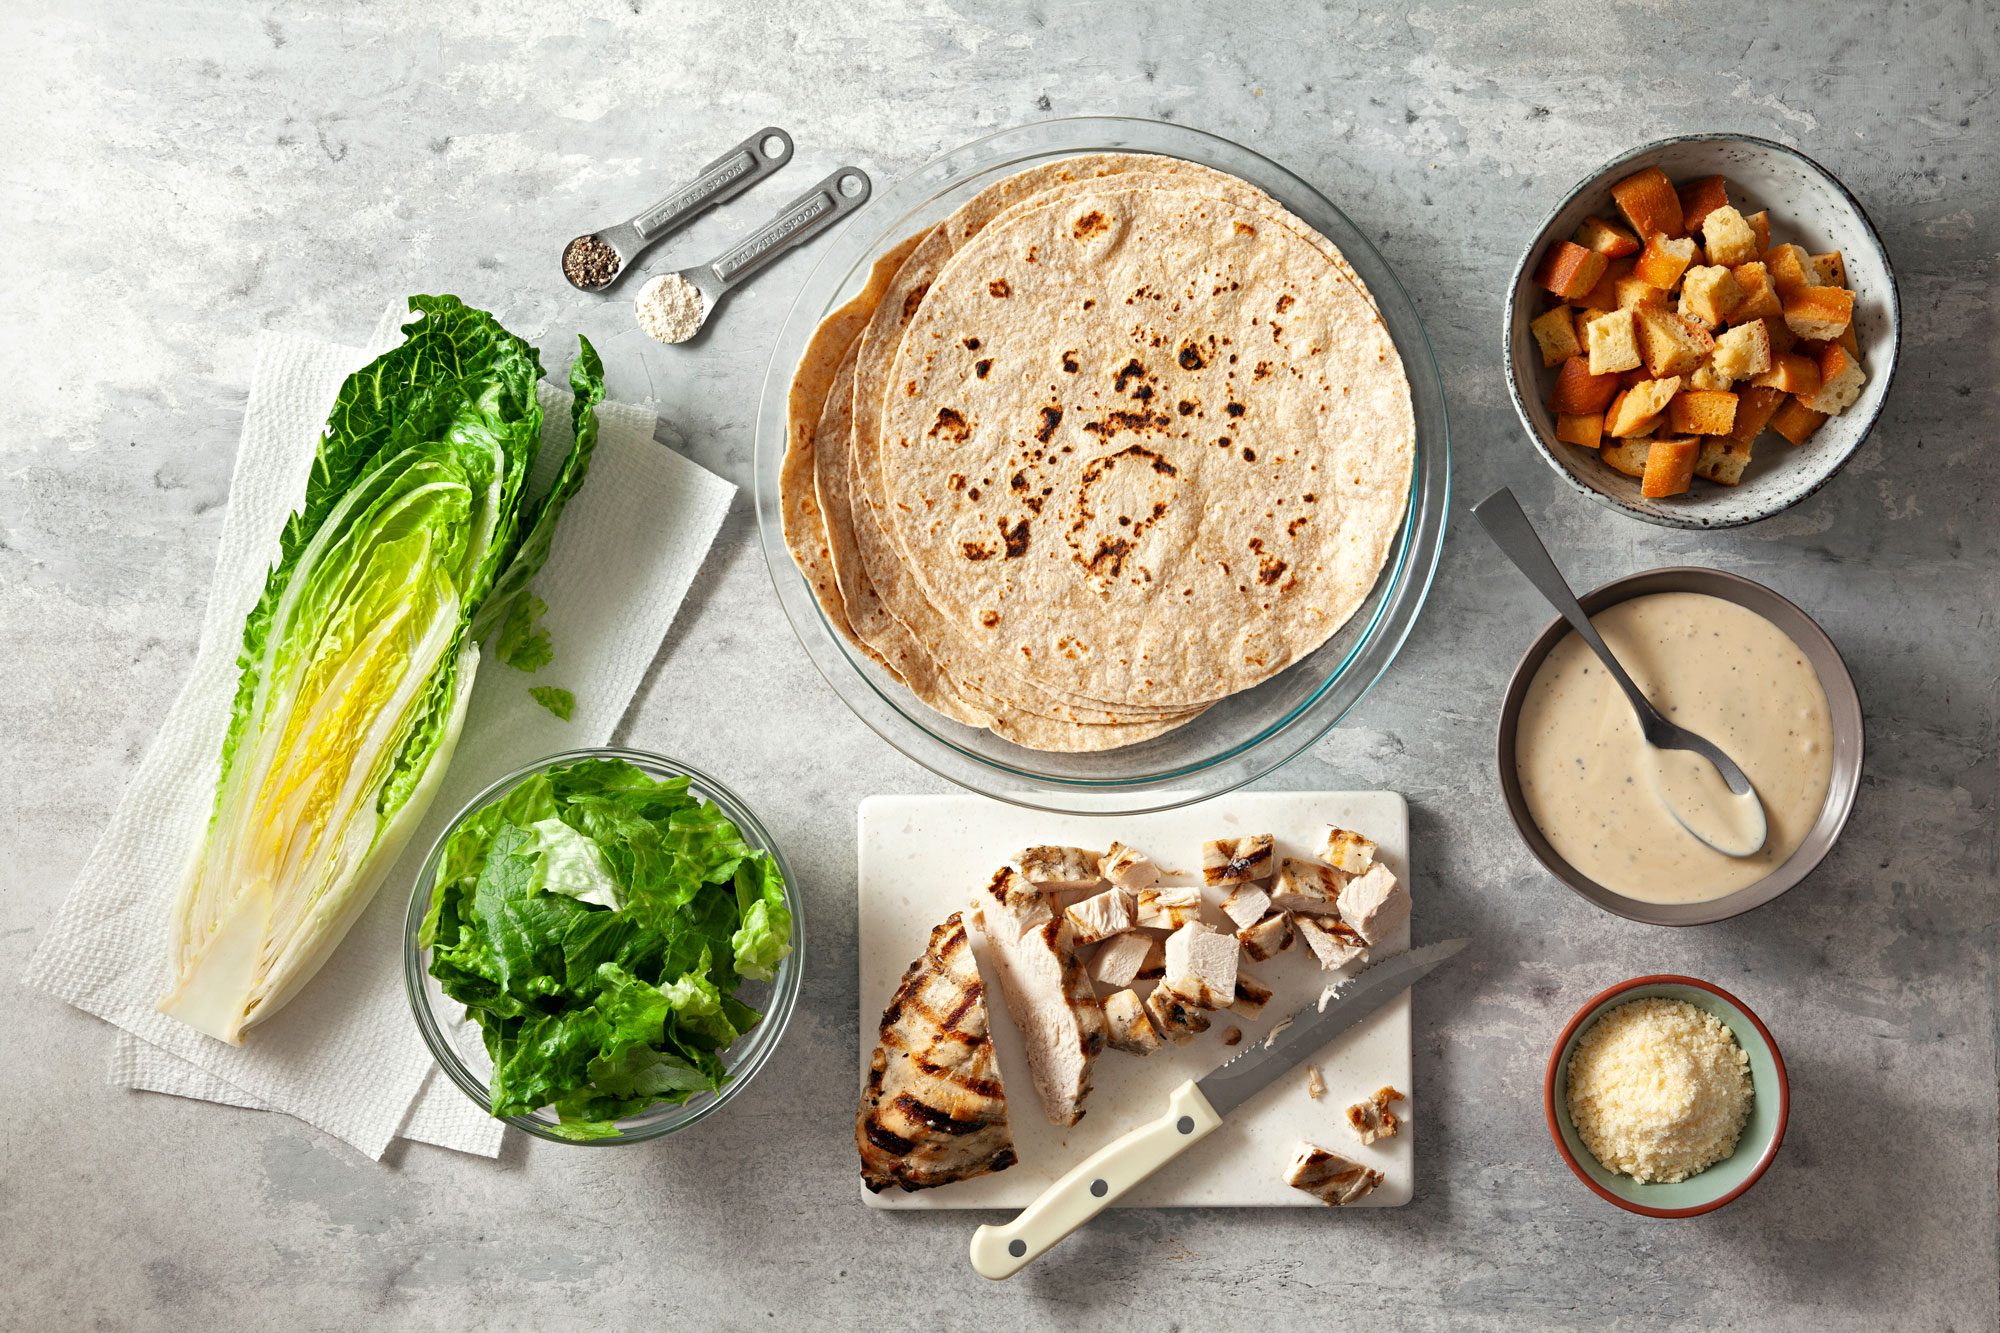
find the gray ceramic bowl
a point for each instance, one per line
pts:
(1808, 206)
(1843, 708)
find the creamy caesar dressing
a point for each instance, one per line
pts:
(1595, 788)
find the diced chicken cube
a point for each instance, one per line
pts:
(1054, 869)
(1128, 868)
(1236, 860)
(1201, 965)
(1347, 851)
(1329, 1177)
(1251, 996)
(1268, 938)
(1307, 886)
(1118, 962)
(1094, 919)
(1154, 966)
(1330, 940)
(1374, 904)
(1178, 1019)
(1315, 1084)
(1168, 908)
(1246, 905)
(1127, 1026)
(1373, 1119)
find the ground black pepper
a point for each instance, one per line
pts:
(589, 262)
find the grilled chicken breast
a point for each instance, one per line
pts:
(933, 1111)
(1329, 1177)
(1047, 991)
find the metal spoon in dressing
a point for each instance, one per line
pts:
(1705, 790)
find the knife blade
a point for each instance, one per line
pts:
(1194, 1110)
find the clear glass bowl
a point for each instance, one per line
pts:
(455, 1040)
(1239, 739)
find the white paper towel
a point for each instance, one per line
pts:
(345, 1055)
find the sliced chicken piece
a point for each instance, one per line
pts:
(1047, 993)
(1374, 904)
(1179, 1020)
(1347, 851)
(1128, 868)
(1201, 965)
(1168, 908)
(1315, 1084)
(1236, 860)
(1055, 869)
(1099, 918)
(1373, 1119)
(1329, 1177)
(1118, 962)
(1246, 905)
(1307, 886)
(1251, 996)
(933, 1111)
(1154, 965)
(1127, 1026)
(1330, 940)
(1268, 938)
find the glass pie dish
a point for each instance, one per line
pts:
(1239, 738)
(455, 1041)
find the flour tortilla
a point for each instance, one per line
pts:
(1195, 515)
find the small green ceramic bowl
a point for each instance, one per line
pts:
(1770, 1107)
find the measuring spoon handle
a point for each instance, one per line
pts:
(723, 179)
(805, 217)
(1500, 514)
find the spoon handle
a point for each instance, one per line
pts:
(1500, 514)
(798, 222)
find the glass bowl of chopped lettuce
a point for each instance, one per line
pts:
(603, 947)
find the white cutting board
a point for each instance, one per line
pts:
(923, 857)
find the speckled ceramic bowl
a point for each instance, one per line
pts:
(1808, 206)
(1727, 1180)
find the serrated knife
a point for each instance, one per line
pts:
(1195, 1109)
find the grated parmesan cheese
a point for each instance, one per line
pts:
(1659, 1090)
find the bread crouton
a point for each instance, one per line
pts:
(1669, 468)
(1627, 456)
(1671, 345)
(1832, 269)
(1555, 332)
(1604, 296)
(1760, 298)
(1709, 295)
(1722, 461)
(1840, 381)
(1790, 268)
(1585, 432)
(1636, 411)
(1632, 291)
(1760, 225)
(1795, 421)
(1754, 405)
(1649, 203)
(1702, 412)
(1791, 372)
(1708, 376)
(1664, 259)
(1742, 351)
(1579, 393)
(1614, 342)
(1819, 312)
(1728, 238)
(1699, 198)
(1607, 238)
(1569, 270)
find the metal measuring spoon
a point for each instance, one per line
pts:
(1500, 514)
(673, 306)
(595, 260)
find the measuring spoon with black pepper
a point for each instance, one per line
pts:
(594, 261)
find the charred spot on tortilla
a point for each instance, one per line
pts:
(952, 425)
(1069, 362)
(999, 288)
(1116, 423)
(914, 298)
(976, 550)
(1016, 538)
(1249, 454)
(1051, 418)
(1184, 407)
(1132, 370)
(1191, 357)
(980, 368)
(1234, 409)
(1089, 225)
(1270, 569)
(989, 618)
(972, 344)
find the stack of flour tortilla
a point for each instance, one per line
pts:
(1117, 439)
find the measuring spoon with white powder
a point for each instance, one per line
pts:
(674, 306)
(1705, 790)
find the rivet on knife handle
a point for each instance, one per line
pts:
(1095, 1185)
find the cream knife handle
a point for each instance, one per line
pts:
(1092, 1187)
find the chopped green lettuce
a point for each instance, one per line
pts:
(522, 642)
(596, 922)
(558, 701)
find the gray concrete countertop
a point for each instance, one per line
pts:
(178, 177)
